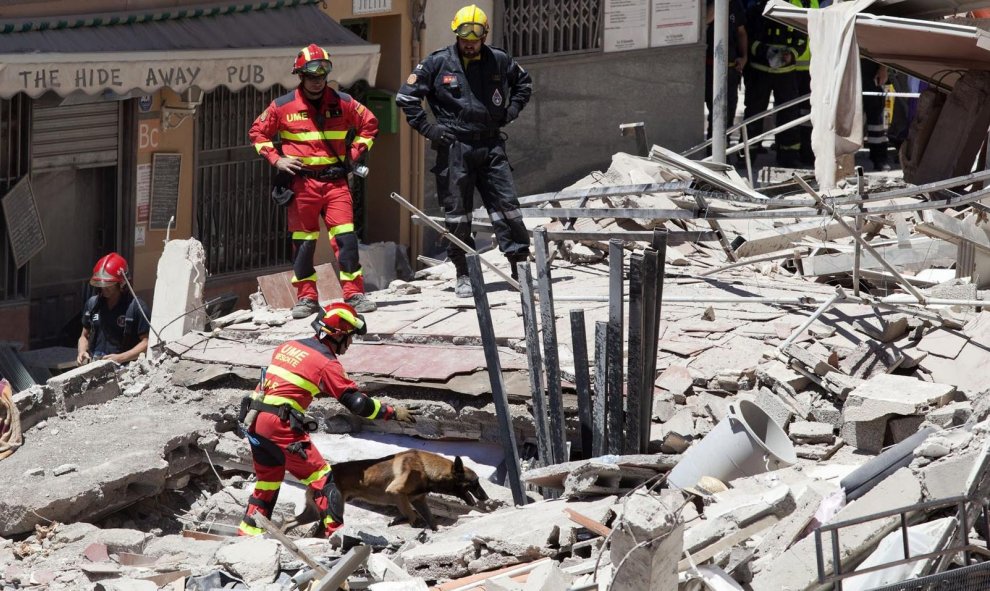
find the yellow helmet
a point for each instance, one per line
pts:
(470, 23)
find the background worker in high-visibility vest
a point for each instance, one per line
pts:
(304, 135)
(773, 53)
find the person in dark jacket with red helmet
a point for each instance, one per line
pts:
(474, 91)
(300, 371)
(115, 322)
(311, 127)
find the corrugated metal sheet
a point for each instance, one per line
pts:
(77, 135)
(14, 370)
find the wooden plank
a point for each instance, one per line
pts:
(555, 397)
(276, 533)
(582, 381)
(536, 385)
(280, 293)
(600, 435)
(502, 411)
(588, 523)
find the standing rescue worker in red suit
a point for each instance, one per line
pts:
(473, 90)
(279, 436)
(311, 124)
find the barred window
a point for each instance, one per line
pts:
(240, 227)
(15, 114)
(552, 27)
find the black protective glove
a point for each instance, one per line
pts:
(511, 114)
(439, 135)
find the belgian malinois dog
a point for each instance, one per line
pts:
(402, 480)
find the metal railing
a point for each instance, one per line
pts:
(240, 227)
(15, 117)
(902, 513)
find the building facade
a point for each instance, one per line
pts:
(126, 125)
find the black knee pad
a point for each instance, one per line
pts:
(335, 500)
(347, 252)
(302, 263)
(266, 452)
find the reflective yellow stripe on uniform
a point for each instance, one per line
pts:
(327, 521)
(318, 160)
(267, 485)
(250, 529)
(312, 136)
(378, 408)
(345, 276)
(305, 235)
(312, 277)
(341, 229)
(316, 475)
(364, 140)
(294, 380)
(261, 145)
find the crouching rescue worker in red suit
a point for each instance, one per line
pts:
(299, 371)
(304, 134)
(115, 323)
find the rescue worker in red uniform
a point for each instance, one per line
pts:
(304, 134)
(301, 370)
(473, 90)
(115, 323)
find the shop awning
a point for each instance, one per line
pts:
(935, 51)
(205, 47)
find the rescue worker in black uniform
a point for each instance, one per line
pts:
(473, 90)
(874, 78)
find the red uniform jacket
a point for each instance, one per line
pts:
(305, 131)
(301, 370)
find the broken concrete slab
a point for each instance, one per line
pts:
(634, 469)
(254, 559)
(499, 540)
(179, 287)
(885, 395)
(796, 569)
(652, 565)
(808, 432)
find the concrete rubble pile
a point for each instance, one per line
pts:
(135, 478)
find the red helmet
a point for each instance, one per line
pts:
(109, 270)
(339, 319)
(313, 60)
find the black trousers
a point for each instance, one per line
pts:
(784, 87)
(464, 166)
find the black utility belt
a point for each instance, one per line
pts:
(327, 173)
(469, 136)
(297, 421)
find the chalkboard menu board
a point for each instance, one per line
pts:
(164, 188)
(24, 229)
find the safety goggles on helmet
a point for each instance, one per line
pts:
(316, 68)
(338, 320)
(471, 31)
